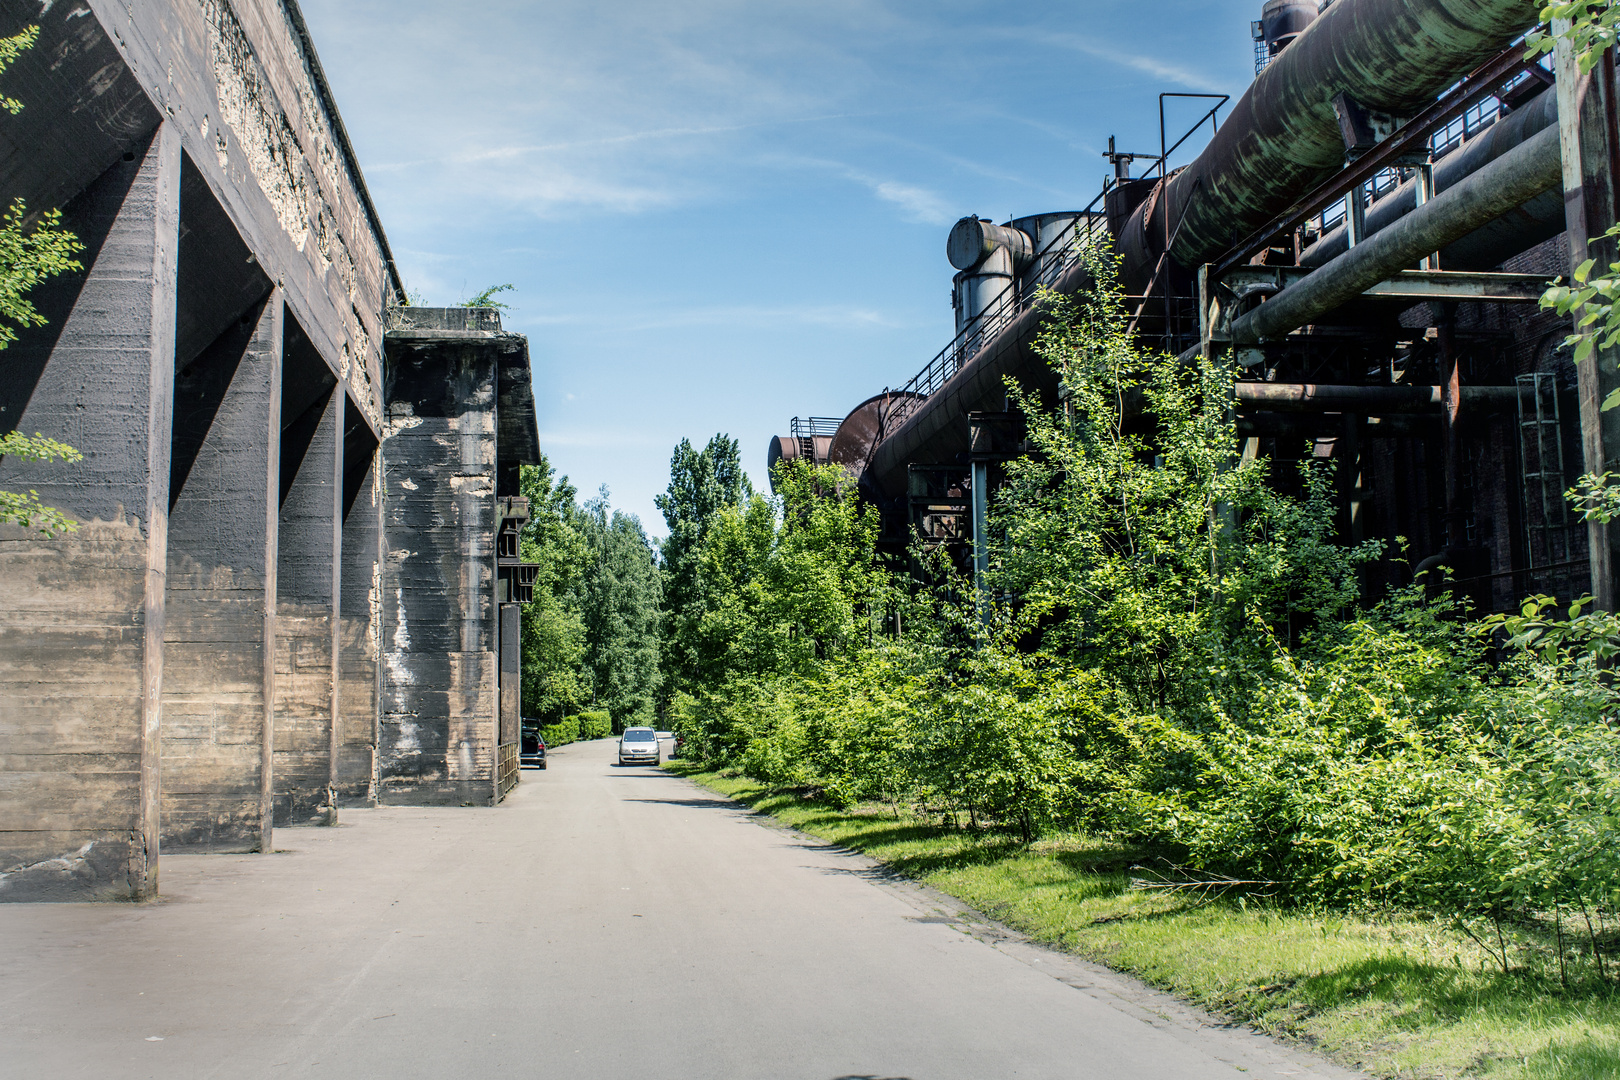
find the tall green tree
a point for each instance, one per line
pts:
(554, 684)
(618, 600)
(701, 484)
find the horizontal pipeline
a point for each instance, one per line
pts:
(1364, 400)
(1518, 126)
(1522, 173)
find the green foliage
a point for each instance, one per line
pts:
(1592, 30)
(562, 732)
(1176, 655)
(1134, 538)
(594, 724)
(27, 257)
(701, 484)
(618, 600)
(553, 630)
(11, 48)
(27, 510)
(590, 636)
(486, 299)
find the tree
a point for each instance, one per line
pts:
(701, 484)
(553, 632)
(29, 255)
(618, 599)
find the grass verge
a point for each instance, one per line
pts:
(1397, 995)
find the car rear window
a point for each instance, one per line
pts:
(638, 736)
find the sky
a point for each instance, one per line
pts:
(720, 214)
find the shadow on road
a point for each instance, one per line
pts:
(702, 804)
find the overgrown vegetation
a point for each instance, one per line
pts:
(1171, 658)
(29, 254)
(590, 638)
(1395, 993)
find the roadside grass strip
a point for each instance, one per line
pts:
(1394, 994)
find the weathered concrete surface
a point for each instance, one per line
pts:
(360, 615)
(439, 717)
(603, 923)
(81, 626)
(239, 84)
(308, 580)
(218, 689)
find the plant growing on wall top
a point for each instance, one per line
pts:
(29, 255)
(487, 298)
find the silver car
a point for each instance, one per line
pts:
(639, 746)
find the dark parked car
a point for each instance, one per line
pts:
(532, 748)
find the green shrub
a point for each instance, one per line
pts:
(562, 732)
(594, 724)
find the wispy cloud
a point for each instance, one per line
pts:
(508, 153)
(916, 203)
(1102, 50)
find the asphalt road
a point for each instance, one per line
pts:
(602, 923)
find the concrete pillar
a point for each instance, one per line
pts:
(82, 616)
(307, 587)
(219, 685)
(360, 613)
(440, 705)
(1589, 145)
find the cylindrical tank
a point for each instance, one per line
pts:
(1043, 229)
(976, 291)
(867, 425)
(791, 448)
(974, 239)
(1281, 21)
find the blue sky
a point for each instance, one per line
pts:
(720, 214)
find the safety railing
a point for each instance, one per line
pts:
(811, 427)
(1049, 265)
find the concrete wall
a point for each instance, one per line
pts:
(360, 617)
(218, 685)
(308, 579)
(201, 659)
(439, 722)
(81, 617)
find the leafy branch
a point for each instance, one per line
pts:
(1592, 29)
(487, 298)
(27, 257)
(26, 509)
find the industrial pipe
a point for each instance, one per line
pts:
(1531, 118)
(1364, 400)
(1525, 171)
(972, 239)
(1282, 138)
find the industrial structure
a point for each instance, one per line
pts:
(1366, 234)
(294, 580)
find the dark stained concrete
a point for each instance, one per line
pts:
(218, 689)
(602, 924)
(81, 626)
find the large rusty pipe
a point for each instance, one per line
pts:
(1365, 400)
(1525, 171)
(1282, 137)
(940, 425)
(1531, 118)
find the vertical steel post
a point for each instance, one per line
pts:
(981, 539)
(1587, 146)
